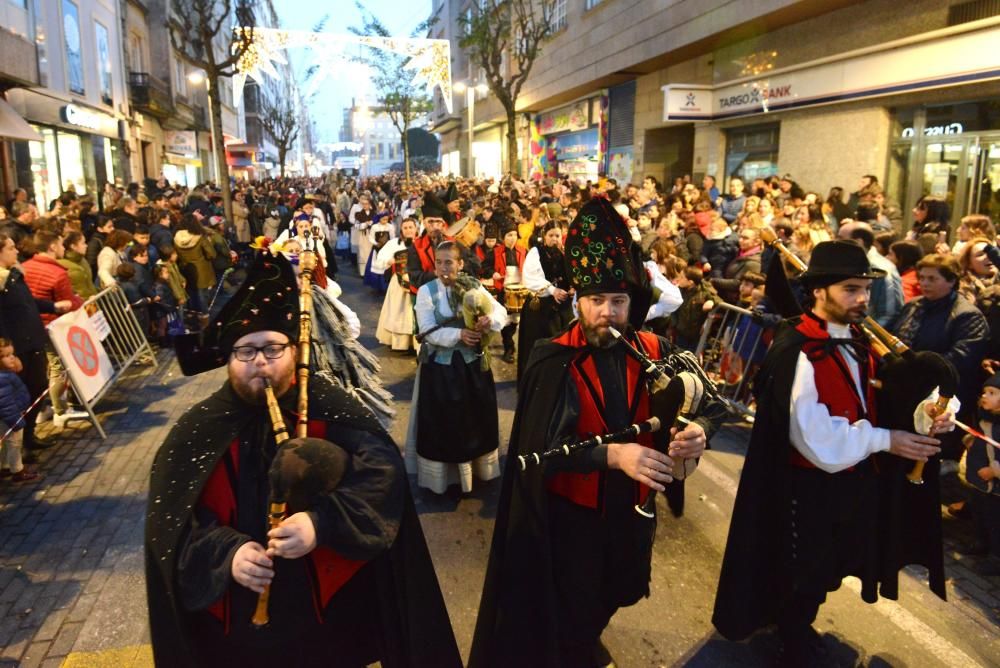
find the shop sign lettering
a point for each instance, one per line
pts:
(75, 115)
(573, 117)
(935, 130)
(756, 95)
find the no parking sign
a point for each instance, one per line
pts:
(80, 349)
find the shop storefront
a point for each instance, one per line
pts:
(567, 141)
(80, 149)
(181, 164)
(918, 112)
(951, 152)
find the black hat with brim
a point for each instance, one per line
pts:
(434, 207)
(835, 261)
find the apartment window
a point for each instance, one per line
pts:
(180, 77)
(558, 17)
(590, 4)
(136, 57)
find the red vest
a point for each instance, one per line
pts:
(500, 263)
(425, 253)
(835, 388)
(586, 489)
(331, 570)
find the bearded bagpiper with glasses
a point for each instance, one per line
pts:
(344, 569)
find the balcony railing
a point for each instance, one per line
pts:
(150, 95)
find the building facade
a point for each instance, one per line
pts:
(380, 141)
(824, 90)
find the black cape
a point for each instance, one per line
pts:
(751, 581)
(414, 621)
(517, 622)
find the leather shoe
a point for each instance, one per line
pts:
(508, 357)
(39, 443)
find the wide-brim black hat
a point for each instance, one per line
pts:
(834, 261)
(600, 257)
(268, 300)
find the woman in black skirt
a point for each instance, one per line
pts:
(550, 310)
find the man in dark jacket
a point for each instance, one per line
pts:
(22, 324)
(748, 259)
(105, 226)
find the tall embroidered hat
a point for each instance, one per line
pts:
(267, 301)
(601, 257)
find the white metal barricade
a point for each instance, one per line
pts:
(119, 335)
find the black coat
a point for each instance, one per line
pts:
(414, 627)
(20, 319)
(752, 581)
(517, 622)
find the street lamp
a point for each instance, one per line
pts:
(197, 77)
(470, 112)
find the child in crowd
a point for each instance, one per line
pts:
(699, 298)
(982, 472)
(14, 400)
(135, 293)
(750, 281)
(164, 304)
(178, 286)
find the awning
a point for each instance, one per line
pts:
(12, 126)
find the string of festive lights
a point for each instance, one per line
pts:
(430, 58)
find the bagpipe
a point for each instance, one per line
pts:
(905, 378)
(303, 467)
(677, 387)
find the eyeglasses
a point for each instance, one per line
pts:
(272, 351)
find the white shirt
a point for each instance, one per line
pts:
(533, 276)
(831, 443)
(670, 295)
(449, 337)
(385, 257)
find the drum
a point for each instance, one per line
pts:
(514, 296)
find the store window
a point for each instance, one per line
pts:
(752, 153)
(44, 167)
(71, 163)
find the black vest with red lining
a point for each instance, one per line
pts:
(835, 387)
(328, 571)
(586, 489)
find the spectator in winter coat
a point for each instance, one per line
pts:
(111, 256)
(103, 228)
(195, 253)
(14, 400)
(699, 298)
(748, 259)
(732, 204)
(81, 278)
(135, 294)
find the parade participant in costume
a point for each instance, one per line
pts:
(351, 580)
(544, 273)
(395, 321)
(568, 547)
(453, 394)
(379, 234)
(807, 509)
(301, 229)
(508, 259)
(420, 258)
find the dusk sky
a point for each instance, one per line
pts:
(346, 80)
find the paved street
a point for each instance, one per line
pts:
(71, 573)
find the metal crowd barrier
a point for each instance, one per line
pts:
(125, 343)
(730, 349)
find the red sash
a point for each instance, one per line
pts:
(586, 489)
(332, 571)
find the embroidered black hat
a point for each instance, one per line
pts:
(835, 261)
(435, 208)
(601, 257)
(268, 300)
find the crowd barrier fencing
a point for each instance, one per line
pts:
(730, 349)
(97, 344)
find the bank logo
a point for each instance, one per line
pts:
(690, 100)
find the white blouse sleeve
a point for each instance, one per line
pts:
(670, 295)
(446, 337)
(385, 257)
(498, 317)
(830, 443)
(532, 274)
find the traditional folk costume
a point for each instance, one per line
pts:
(568, 547)
(379, 234)
(454, 430)
(810, 509)
(395, 321)
(350, 601)
(507, 261)
(542, 317)
(420, 257)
